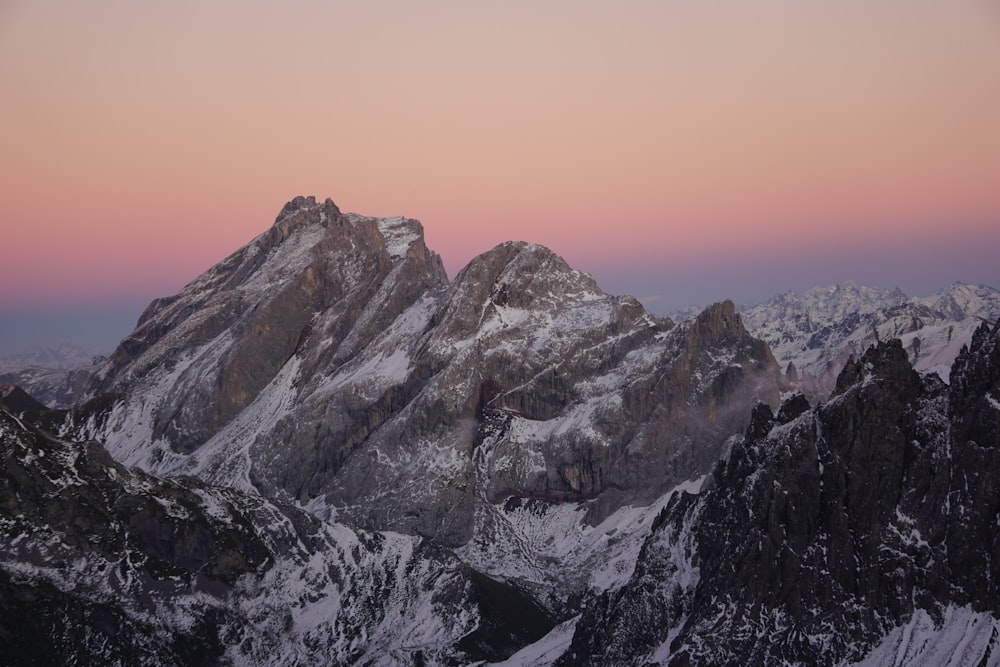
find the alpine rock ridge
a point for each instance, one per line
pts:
(324, 451)
(860, 531)
(331, 363)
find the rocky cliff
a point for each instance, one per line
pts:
(103, 565)
(330, 362)
(862, 530)
(322, 451)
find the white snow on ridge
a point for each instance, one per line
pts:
(399, 235)
(225, 457)
(287, 259)
(380, 370)
(527, 540)
(604, 555)
(398, 231)
(546, 650)
(819, 330)
(965, 637)
(578, 419)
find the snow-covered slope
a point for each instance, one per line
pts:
(817, 332)
(330, 362)
(862, 531)
(952, 636)
(58, 377)
(349, 459)
(103, 565)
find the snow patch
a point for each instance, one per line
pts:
(399, 234)
(964, 637)
(546, 650)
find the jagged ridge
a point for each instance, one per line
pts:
(103, 565)
(331, 362)
(528, 425)
(826, 529)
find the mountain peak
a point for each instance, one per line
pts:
(719, 322)
(721, 314)
(321, 361)
(525, 275)
(821, 329)
(885, 359)
(960, 300)
(301, 203)
(229, 332)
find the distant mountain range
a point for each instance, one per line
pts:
(56, 376)
(818, 331)
(62, 356)
(322, 451)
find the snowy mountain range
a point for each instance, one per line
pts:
(57, 376)
(818, 331)
(62, 356)
(322, 451)
(331, 363)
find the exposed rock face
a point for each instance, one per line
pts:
(227, 334)
(825, 530)
(102, 565)
(331, 362)
(510, 440)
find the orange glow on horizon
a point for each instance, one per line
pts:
(141, 143)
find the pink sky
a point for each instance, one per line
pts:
(143, 142)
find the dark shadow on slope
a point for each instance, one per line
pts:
(510, 620)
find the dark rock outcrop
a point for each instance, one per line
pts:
(824, 528)
(103, 565)
(16, 400)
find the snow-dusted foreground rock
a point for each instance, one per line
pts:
(324, 452)
(103, 565)
(861, 531)
(862, 528)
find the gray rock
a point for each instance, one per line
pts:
(103, 565)
(330, 362)
(824, 529)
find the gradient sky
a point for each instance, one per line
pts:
(683, 152)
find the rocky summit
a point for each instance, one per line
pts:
(324, 451)
(331, 363)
